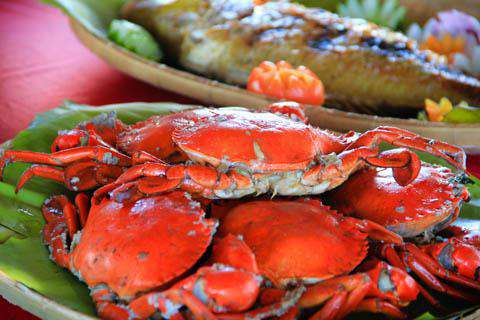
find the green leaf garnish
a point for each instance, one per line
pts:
(463, 114)
(388, 13)
(135, 38)
(445, 111)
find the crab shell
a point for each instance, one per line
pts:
(139, 246)
(154, 136)
(297, 241)
(430, 203)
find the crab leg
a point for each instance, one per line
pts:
(332, 307)
(279, 308)
(82, 202)
(63, 158)
(356, 296)
(153, 178)
(375, 231)
(341, 296)
(435, 268)
(78, 176)
(62, 220)
(143, 157)
(54, 235)
(404, 163)
(144, 307)
(428, 264)
(432, 281)
(403, 138)
(40, 171)
(361, 287)
(414, 259)
(325, 290)
(388, 252)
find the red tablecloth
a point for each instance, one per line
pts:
(41, 64)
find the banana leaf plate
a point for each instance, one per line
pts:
(27, 277)
(89, 20)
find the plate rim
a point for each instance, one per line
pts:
(28, 299)
(79, 27)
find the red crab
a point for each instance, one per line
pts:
(116, 237)
(237, 153)
(304, 242)
(136, 258)
(424, 207)
(455, 261)
(427, 205)
(232, 152)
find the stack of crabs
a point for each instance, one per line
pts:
(216, 214)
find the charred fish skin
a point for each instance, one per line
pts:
(363, 67)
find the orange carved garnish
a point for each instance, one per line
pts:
(446, 45)
(283, 81)
(437, 111)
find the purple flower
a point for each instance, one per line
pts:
(455, 23)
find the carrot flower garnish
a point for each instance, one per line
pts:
(282, 81)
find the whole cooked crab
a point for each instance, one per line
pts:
(422, 211)
(143, 244)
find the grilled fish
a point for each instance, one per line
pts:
(363, 67)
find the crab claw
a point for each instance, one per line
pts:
(375, 231)
(233, 251)
(224, 288)
(383, 274)
(218, 289)
(366, 291)
(405, 164)
(69, 139)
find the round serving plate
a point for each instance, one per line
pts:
(213, 92)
